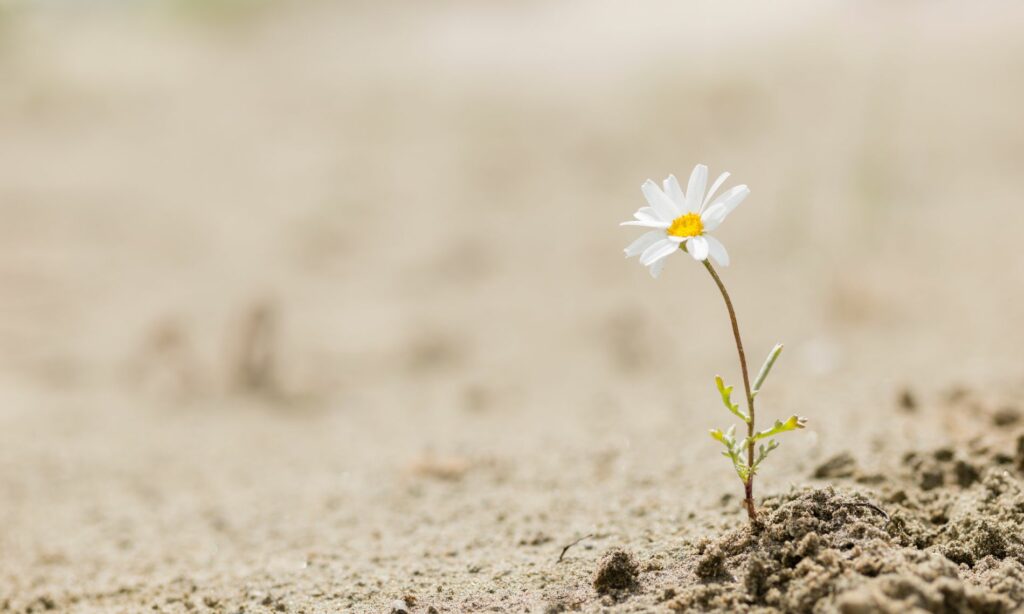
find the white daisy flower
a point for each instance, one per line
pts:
(682, 221)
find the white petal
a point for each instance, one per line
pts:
(717, 250)
(698, 248)
(657, 251)
(657, 267)
(695, 189)
(653, 247)
(714, 188)
(661, 203)
(676, 239)
(646, 240)
(646, 224)
(733, 197)
(713, 216)
(646, 215)
(675, 192)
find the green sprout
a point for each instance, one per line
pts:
(680, 222)
(748, 453)
(746, 469)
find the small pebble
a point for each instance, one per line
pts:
(399, 606)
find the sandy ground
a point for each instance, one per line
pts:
(313, 307)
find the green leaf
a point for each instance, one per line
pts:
(726, 392)
(732, 451)
(728, 438)
(793, 423)
(766, 368)
(741, 470)
(763, 450)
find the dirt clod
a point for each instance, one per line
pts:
(966, 474)
(941, 467)
(1006, 416)
(1020, 453)
(711, 565)
(617, 570)
(907, 401)
(841, 465)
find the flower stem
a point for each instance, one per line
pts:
(748, 485)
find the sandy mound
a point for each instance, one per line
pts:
(944, 536)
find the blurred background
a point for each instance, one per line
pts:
(343, 278)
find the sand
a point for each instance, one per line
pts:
(313, 307)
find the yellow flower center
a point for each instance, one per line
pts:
(688, 225)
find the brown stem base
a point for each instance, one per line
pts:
(748, 501)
